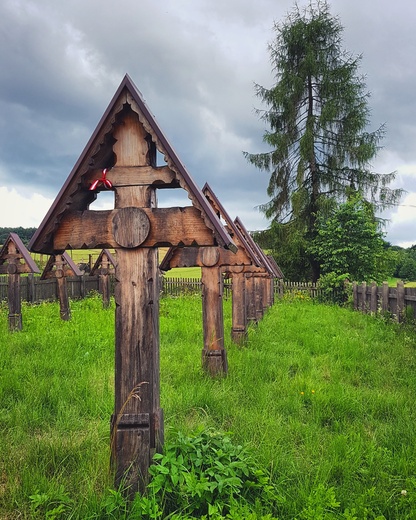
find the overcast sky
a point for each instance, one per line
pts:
(195, 62)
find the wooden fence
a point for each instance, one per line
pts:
(282, 287)
(35, 290)
(398, 302)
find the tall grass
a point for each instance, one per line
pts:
(324, 397)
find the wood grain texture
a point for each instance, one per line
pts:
(137, 385)
(239, 314)
(158, 177)
(168, 227)
(214, 356)
(130, 227)
(14, 302)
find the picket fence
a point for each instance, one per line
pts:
(35, 290)
(397, 302)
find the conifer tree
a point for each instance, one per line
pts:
(318, 114)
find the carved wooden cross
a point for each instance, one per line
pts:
(60, 266)
(121, 155)
(249, 261)
(103, 266)
(15, 259)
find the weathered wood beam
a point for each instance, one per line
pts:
(167, 227)
(214, 356)
(198, 257)
(137, 428)
(239, 311)
(158, 177)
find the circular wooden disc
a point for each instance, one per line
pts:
(210, 256)
(11, 268)
(131, 227)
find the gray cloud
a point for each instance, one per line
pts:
(195, 63)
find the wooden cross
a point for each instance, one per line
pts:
(121, 156)
(15, 260)
(103, 265)
(60, 266)
(249, 261)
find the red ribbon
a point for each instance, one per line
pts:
(104, 181)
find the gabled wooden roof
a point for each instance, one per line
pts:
(69, 267)
(75, 195)
(273, 268)
(239, 238)
(20, 256)
(98, 263)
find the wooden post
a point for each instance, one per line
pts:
(30, 288)
(373, 301)
(124, 146)
(137, 425)
(13, 294)
(239, 315)
(355, 295)
(385, 297)
(400, 301)
(62, 289)
(15, 260)
(250, 299)
(102, 267)
(364, 297)
(104, 280)
(214, 356)
(258, 297)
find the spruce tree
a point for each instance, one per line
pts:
(317, 111)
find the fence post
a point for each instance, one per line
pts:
(400, 301)
(373, 300)
(30, 288)
(355, 295)
(385, 298)
(364, 297)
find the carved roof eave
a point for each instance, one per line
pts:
(73, 196)
(259, 251)
(255, 257)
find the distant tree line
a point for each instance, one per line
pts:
(398, 262)
(25, 234)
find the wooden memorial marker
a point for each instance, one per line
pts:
(213, 264)
(260, 286)
(60, 266)
(15, 260)
(104, 264)
(256, 267)
(121, 156)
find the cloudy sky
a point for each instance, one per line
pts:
(195, 62)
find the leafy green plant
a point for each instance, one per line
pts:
(206, 474)
(50, 506)
(335, 288)
(321, 504)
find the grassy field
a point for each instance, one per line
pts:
(323, 396)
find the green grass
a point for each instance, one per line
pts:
(393, 282)
(324, 397)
